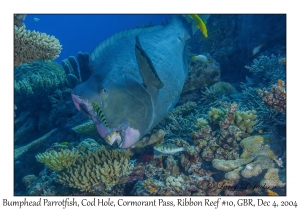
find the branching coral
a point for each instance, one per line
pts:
(266, 70)
(109, 167)
(18, 19)
(22, 150)
(30, 46)
(57, 161)
(274, 99)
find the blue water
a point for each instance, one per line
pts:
(84, 32)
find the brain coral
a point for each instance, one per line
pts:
(30, 46)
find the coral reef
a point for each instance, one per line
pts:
(18, 19)
(108, 167)
(215, 91)
(255, 145)
(179, 122)
(271, 179)
(30, 46)
(37, 79)
(57, 161)
(174, 181)
(27, 180)
(217, 115)
(275, 98)
(201, 75)
(266, 70)
(229, 165)
(18, 152)
(88, 128)
(155, 138)
(245, 120)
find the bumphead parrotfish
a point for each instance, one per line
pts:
(137, 78)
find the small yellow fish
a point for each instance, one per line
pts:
(64, 143)
(260, 131)
(200, 24)
(271, 193)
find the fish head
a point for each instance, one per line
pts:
(121, 108)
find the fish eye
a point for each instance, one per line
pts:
(104, 90)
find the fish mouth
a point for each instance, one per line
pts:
(124, 135)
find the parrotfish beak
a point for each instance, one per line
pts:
(87, 109)
(124, 135)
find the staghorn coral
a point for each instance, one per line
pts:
(275, 98)
(24, 149)
(108, 167)
(57, 161)
(30, 46)
(216, 90)
(266, 70)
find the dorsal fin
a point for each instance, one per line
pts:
(95, 56)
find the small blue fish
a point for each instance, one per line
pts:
(36, 19)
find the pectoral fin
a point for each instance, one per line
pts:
(150, 77)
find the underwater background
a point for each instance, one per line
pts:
(225, 136)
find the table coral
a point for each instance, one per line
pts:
(30, 46)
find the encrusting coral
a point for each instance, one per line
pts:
(271, 179)
(109, 167)
(57, 161)
(30, 46)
